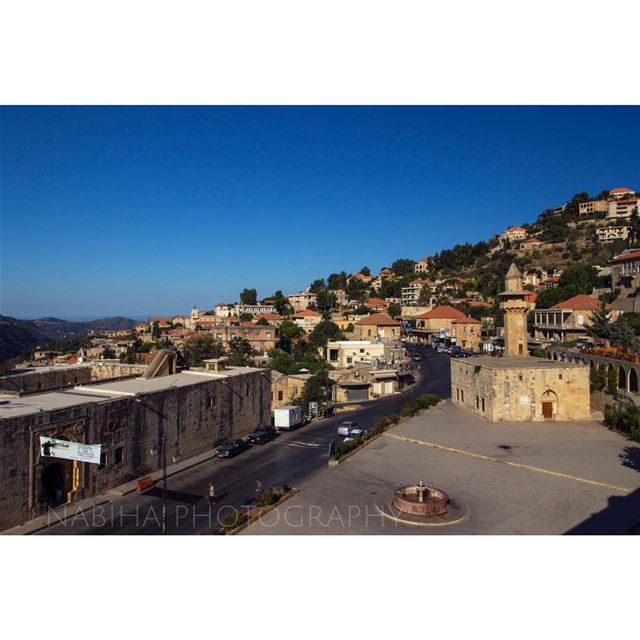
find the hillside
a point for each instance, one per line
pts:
(57, 329)
(18, 335)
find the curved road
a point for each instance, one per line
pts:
(293, 458)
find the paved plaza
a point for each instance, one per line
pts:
(503, 478)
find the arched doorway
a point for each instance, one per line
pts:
(549, 404)
(633, 380)
(622, 378)
(53, 483)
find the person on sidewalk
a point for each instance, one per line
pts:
(258, 490)
(211, 493)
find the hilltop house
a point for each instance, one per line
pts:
(377, 325)
(447, 323)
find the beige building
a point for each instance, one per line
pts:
(308, 319)
(513, 234)
(447, 323)
(622, 204)
(611, 234)
(254, 309)
(411, 293)
(286, 388)
(592, 207)
(301, 301)
(521, 389)
(343, 354)
(567, 321)
(424, 264)
(517, 387)
(377, 325)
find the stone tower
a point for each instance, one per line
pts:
(515, 308)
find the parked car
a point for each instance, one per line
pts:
(232, 448)
(417, 357)
(262, 435)
(344, 428)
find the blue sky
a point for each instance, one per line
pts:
(151, 210)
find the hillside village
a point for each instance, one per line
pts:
(577, 259)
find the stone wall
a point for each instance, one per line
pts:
(47, 378)
(195, 419)
(517, 394)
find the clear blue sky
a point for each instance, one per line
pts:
(136, 211)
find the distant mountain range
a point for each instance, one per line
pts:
(18, 335)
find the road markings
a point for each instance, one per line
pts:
(298, 443)
(518, 465)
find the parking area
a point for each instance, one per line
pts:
(503, 478)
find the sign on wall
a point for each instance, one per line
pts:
(54, 448)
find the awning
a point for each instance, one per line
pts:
(384, 375)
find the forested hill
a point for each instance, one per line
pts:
(18, 335)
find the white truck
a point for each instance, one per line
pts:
(287, 417)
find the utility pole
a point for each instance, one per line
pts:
(164, 481)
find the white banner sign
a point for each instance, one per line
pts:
(53, 448)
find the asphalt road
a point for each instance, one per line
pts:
(293, 458)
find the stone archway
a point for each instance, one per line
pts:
(549, 405)
(622, 378)
(53, 484)
(633, 380)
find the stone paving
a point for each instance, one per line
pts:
(507, 478)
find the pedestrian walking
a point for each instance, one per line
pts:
(211, 493)
(258, 490)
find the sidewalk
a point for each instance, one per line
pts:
(86, 505)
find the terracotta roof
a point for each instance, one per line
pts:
(581, 302)
(307, 313)
(421, 281)
(625, 257)
(361, 276)
(621, 190)
(157, 319)
(375, 302)
(379, 319)
(446, 312)
(267, 316)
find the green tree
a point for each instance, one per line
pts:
(289, 336)
(599, 325)
(239, 352)
(201, 348)
(578, 279)
(263, 322)
(621, 333)
(548, 298)
(248, 296)
(337, 280)
(245, 317)
(108, 353)
(325, 301)
(318, 388)
(323, 332)
(365, 271)
(394, 310)
(403, 266)
(281, 303)
(155, 330)
(424, 297)
(318, 285)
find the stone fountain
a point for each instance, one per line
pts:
(421, 500)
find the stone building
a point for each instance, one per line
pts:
(285, 388)
(521, 389)
(517, 387)
(194, 410)
(377, 325)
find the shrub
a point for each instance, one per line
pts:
(269, 497)
(625, 419)
(422, 402)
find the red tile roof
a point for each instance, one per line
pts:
(621, 190)
(581, 302)
(626, 257)
(446, 312)
(378, 319)
(307, 313)
(267, 316)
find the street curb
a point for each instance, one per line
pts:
(333, 462)
(261, 513)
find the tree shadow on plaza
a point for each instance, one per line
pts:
(630, 457)
(620, 517)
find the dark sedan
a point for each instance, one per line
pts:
(232, 448)
(262, 435)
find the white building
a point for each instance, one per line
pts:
(611, 234)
